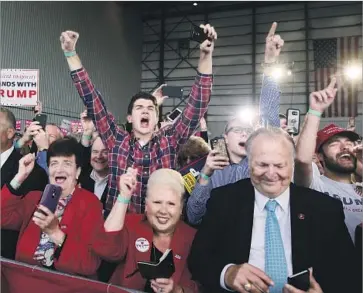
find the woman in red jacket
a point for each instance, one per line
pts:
(132, 238)
(61, 240)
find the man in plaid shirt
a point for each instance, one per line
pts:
(145, 149)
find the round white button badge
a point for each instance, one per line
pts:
(142, 244)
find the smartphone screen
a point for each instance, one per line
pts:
(173, 115)
(293, 121)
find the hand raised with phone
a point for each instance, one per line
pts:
(207, 46)
(127, 183)
(68, 41)
(215, 161)
(158, 94)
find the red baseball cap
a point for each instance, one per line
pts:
(331, 130)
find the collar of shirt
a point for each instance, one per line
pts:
(283, 200)
(153, 139)
(5, 155)
(97, 178)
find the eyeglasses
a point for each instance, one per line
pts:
(240, 130)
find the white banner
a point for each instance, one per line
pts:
(19, 87)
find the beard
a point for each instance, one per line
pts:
(332, 165)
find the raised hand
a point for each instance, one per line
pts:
(87, 123)
(127, 183)
(41, 140)
(68, 41)
(158, 94)
(321, 100)
(214, 162)
(26, 166)
(31, 131)
(207, 46)
(274, 44)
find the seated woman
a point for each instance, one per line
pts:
(57, 241)
(132, 238)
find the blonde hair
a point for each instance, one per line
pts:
(169, 178)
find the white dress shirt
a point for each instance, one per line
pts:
(257, 251)
(100, 184)
(5, 155)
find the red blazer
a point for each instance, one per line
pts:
(121, 246)
(81, 216)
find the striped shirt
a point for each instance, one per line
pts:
(269, 115)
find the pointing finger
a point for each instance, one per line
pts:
(332, 83)
(272, 29)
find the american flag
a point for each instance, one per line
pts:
(330, 58)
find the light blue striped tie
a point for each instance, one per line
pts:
(275, 261)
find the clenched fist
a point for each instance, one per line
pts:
(207, 46)
(274, 44)
(68, 41)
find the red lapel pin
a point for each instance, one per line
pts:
(301, 216)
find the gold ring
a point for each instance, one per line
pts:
(247, 287)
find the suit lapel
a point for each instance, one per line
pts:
(300, 219)
(9, 169)
(246, 201)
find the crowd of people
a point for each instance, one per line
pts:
(274, 206)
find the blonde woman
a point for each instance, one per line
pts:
(132, 238)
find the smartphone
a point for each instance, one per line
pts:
(197, 34)
(173, 91)
(300, 280)
(219, 144)
(173, 115)
(42, 119)
(293, 121)
(50, 197)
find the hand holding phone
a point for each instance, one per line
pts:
(51, 196)
(197, 34)
(42, 119)
(300, 280)
(219, 144)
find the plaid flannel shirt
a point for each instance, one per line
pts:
(125, 151)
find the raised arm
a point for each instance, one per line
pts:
(12, 214)
(270, 92)
(103, 120)
(305, 148)
(110, 242)
(199, 96)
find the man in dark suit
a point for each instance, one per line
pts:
(95, 169)
(10, 157)
(259, 231)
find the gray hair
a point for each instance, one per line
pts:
(272, 132)
(169, 178)
(9, 116)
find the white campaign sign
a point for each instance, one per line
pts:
(19, 87)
